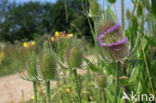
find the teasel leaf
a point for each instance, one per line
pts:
(91, 65)
(154, 8)
(151, 41)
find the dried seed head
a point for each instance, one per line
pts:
(48, 66)
(75, 57)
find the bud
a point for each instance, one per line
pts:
(112, 1)
(128, 14)
(48, 66)
(111, 39)
(75, 57)
(101, 81)
(94, 8)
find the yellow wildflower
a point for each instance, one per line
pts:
(68, 90)
(69, 36)
(91, 98)
(2, 55)
(25, 44)
(22, 99)
(52, 39)
(57, 34)
(33, 43)
(14, 102)
(22, 74)
(32, 97)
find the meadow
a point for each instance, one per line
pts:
(91, 58)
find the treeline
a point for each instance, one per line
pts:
(27, 20)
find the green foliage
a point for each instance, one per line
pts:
(32, 70)
(153, 7)
(22, 22)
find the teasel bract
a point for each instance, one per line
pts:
(31, 74)
(48, 68)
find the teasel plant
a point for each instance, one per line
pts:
(31, 73)
(112, 46)
(102, 82)
(73, 61)
(48, 67)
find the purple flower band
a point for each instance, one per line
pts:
(99, 37)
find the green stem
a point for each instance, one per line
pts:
(117, 82)
(122, 14)
(77, 85)
(100, 99)
(35, 91)
(48, 91)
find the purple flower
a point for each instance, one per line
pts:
(118, 48)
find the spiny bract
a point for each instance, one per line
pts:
(32, 72)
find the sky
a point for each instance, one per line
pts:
(128, 4)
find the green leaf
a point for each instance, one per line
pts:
(153, 7)
(135, 73)
(151, 41)
(91, 65)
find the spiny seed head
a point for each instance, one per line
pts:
(75, 57)
(48, 66)
(110, 38)
(94, 8)
(101, 81)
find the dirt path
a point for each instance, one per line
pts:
(11, 89)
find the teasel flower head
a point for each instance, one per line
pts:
(101, 81)
(48, 66)
(94, 9)
(74, 57)
(111, 39)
